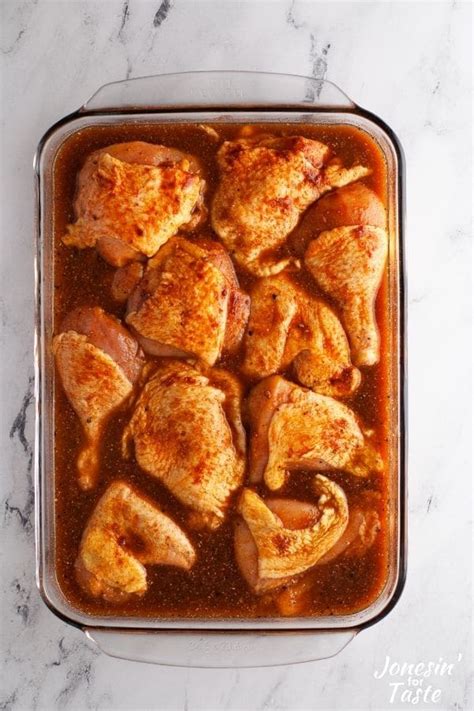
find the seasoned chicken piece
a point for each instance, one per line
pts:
(294, 428)
(348, 260)
(124, 533)
(361, 533)
(355, 204)
(232, 405)
(98, 362)
(186, 431)
(132, 197)
(362, 529)
(210, 131)
(125, 280)
(280, 538)
(266, 182)
(189, 302)
(287, 326)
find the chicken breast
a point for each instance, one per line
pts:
(289, 327)
(266, 183)
(348, 261)
(98, 363)
(132, 197)
(281, 538)
(125, 533)
(189, 302)
(293, 428)
(186, 431)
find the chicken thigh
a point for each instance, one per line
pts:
(124, 533)
(280, 538)
(362, 529)
(98, 362)
(266, 183)
(288, 326)
(132, 197)
(347, 260)
(187, 432)
(125, 281)
(189, 302)
(294, 428)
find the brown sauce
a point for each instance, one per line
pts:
(214, 587)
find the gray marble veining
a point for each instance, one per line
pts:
(407, 62)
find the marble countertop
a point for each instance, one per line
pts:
(408, 63)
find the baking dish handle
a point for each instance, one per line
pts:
(219, 649)
(217, 89)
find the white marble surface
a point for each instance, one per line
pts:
(407, 62)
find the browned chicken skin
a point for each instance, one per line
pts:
(124, 533)
(186, 431)
(348, 260)
(287, 326)
(294, 428)
(265, 184)
(280, 538)
(98, 362)
(132, 197)
(189, 302)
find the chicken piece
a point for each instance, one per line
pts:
(355, 204)
(125, 281)
(266, 182)
(287, 326)
(210, 131)
(124, 533)
(98, 362)
(293, 515)
(132, 197)
(348, 260)
(361, 533)
(281, 538)
(294, 428)
(352, 204)
(232, 405)
(187, 432)
(189, 302)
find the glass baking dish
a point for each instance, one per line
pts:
(218, 97)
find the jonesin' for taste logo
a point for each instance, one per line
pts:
(418, 682)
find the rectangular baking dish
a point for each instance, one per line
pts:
(200, 97)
